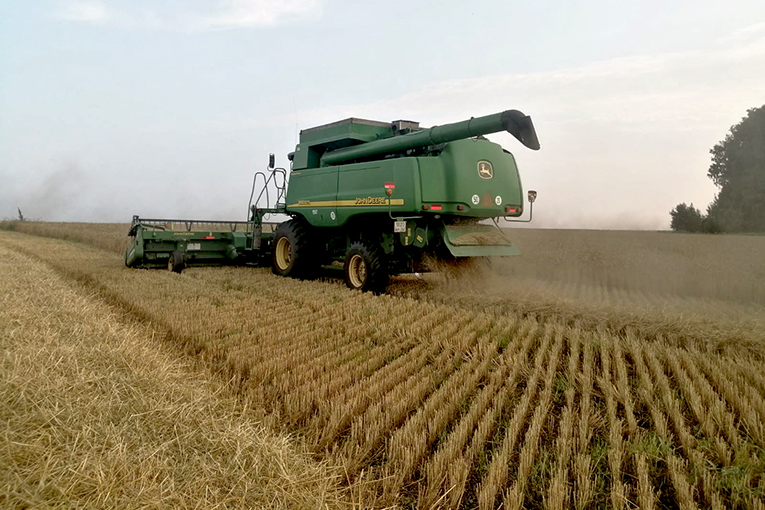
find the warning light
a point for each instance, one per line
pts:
(390, 185)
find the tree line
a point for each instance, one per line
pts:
(738, 171)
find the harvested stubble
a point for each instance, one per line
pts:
(96, 413)
(448, 404)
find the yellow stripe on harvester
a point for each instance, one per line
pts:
(356, 202)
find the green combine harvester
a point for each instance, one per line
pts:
(379, 198)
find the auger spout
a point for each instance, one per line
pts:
(512, 121)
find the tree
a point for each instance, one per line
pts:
(738, 169)
(21, 216)
(686, 218)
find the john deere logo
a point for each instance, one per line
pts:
(485, 171)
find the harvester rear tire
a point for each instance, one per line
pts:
(366, 268)
(176, 262)
(292, 250)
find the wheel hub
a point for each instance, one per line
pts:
(283, 253)
(357, 271)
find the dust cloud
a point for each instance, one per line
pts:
(55, 196)
(710, 276)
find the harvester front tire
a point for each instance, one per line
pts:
(292, 250)
(365, 268)
(176, 263)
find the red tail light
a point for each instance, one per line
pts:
(513, 210)
(435, 207)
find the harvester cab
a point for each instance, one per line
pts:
(377, 198)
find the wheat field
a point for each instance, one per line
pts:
(96, 414)
(532, 384)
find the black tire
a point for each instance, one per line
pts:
(366, 268)
(291, 250)
(176, 262)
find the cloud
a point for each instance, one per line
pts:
(86, 12)
(225, 14)
(673, 90)
(745, 33)
(252, 13)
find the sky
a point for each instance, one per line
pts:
(110, 108)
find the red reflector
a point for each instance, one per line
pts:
(512, 210)
(390, 185)
(435, 207)
(208, 237)
(425, 207)
(460, 207)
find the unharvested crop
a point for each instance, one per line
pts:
(429, 399)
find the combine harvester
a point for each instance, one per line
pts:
(381, 198)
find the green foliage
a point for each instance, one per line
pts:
(738, 169)
(686, 218)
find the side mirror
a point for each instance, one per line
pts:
(532, 196)
(271, 161)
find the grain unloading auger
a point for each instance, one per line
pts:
(381, 198)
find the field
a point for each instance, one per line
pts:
(599, 370)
